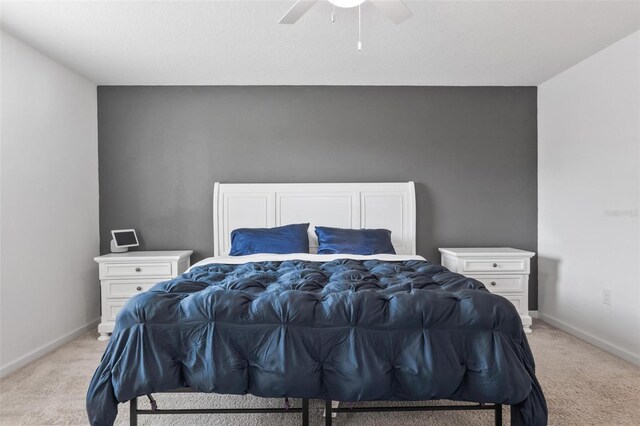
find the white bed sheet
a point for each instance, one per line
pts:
(266, 257)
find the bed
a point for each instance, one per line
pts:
(329, 327)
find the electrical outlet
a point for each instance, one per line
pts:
(606, 296)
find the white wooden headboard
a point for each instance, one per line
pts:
(342, 205)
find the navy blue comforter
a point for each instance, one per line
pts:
(346, 330)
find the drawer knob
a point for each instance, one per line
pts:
(495, 265)
(493, 283)
(140, 288)
(138, 269)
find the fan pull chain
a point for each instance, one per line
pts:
(333, 14)
(359, 28)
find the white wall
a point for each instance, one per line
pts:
(49, 204)
(589, 196)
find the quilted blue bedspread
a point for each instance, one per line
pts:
(345, 330)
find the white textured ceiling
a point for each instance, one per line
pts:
(240, 43)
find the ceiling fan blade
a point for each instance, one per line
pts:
(299, 8)
(395, 10)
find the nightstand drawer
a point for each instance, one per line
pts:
(113, 307)
(501, 283)
(124, 288)
(518, 302)
(504, 271)
(135, 270)
(494, 265)
(123, 275)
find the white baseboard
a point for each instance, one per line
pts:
(588, 337)
(534, 314)
(45, 349)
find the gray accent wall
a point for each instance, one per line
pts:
(472, 152)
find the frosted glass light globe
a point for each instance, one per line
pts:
(346, 3)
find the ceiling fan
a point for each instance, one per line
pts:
(393, 9)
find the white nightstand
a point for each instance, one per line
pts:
(123, 275)
(503, 270)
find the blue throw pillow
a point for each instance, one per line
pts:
(354, 241)
(280, 240)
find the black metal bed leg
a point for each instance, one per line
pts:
(305, 412)
(328, 412)
(498, 414)
(516, 416)
(133, 412)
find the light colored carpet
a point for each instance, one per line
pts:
(583, 385)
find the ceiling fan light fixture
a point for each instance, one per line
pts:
(345, 4)
(395, 10)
